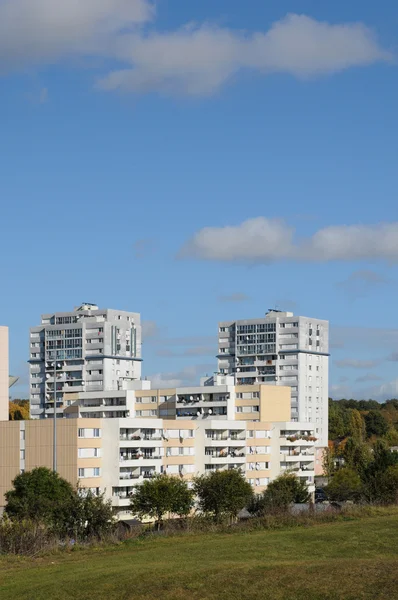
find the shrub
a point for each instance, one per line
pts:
(161, 495)
(279, 494)
(345, 485)
(223, 493)
(42, 496)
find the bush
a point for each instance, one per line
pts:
(223, 493)
(161, 495)
(279, 494)
(345, 485)
(44, 497)
(25, 537)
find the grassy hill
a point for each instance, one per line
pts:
(350, 560)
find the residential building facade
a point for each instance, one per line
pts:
(113, 456)
(284, 350)
(88, 349)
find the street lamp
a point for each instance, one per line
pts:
(55, 365)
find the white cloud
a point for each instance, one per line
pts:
(193, 60)
(368, 377)
(382, 339)
(361, 283)
(354, 363)
(150, 329)
(386, 390)
(187, 376)
(269, 240)
(44, 31)
(199, 60)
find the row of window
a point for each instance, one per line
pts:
(146, 413)
(247, 409)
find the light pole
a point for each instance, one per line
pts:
(55, 419)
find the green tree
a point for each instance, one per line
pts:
(328, 461)
(90, 516)
(161, 495)
(357, 426)
(337, 424)
(223, 493)
(357, 455)
(387, 485)
(280, 493)
(39, 495)
(345, 485)
(43, 496)
(375, 423)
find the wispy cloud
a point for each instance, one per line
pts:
(353, 363)
(192, 60)
(183, 377)
(264, 240)
(235, 297)
(150, 329)
(187, 352)
(368, 377)
(379, 338)
(361, 283)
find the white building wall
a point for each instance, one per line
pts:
(4, 374)
(296, 350)
(106, 356)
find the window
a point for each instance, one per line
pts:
(22, 455)
(97, 472)
(238, 409)
(89, 452)
(81, 472)
(249, 434)
(81, 433)
(96, 432)
(22, 434)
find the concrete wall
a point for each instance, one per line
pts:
(9, 455)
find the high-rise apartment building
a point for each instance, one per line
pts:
(88, 349)
(282, 349)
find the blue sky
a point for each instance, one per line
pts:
(203, 161)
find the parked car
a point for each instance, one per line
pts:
(320, 495)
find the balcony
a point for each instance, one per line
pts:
(138, 459)
(225, 457)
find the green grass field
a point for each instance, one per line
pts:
(348, 560)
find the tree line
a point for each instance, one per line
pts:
(363, 467)
(379, 420)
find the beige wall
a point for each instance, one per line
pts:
(275, 403)
(39, 446)
(9, 455)
(4, 373)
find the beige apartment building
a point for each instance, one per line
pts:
(113, 441)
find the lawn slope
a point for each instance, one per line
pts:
(347, 560)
